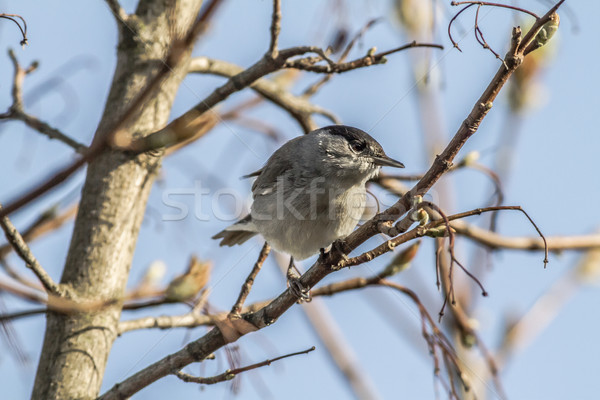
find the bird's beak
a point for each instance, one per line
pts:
(385, 161)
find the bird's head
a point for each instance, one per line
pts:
(350, 154)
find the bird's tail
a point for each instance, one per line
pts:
(237, 233)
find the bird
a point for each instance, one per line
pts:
(310, 193)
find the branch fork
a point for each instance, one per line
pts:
(17, 111)
(533, 40)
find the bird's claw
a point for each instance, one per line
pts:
(296, 287)
(299, 290)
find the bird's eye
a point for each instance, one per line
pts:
(357, 146)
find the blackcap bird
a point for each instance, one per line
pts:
(310, 192)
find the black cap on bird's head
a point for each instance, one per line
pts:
(361, 143)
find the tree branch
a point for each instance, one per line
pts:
(298, 107)
(21, 314)
(496, 241)
(275, 29)
(308, 64)
(185, 126)
(525, 45)
(16, 241)
(231, 373)
(247, 286)
(312, 89)
(17, 112)
(48, 221)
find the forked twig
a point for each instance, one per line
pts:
(17, 110)
(476, 30)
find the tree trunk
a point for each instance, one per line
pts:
(76, 347)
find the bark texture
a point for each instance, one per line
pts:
(113, 202)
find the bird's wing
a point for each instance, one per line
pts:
(267, 176)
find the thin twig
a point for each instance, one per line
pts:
(231, 373)
(557, 243)
(487, 238)
(21, 314)
(479, 36)
(12, 339)
(436, 339)
(47, 222)
(208, 12)
(478, 211)
(486, 3)
(247, 286)
(275, 29)
(22, 249)
(312, 89)
(453, 259)
(23, 29)
(47, 130)
(454, 42)
(17, 112)
(477, 31)
(308, 64)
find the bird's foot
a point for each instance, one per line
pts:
(336, 256)
(296, 287)
(299, 290)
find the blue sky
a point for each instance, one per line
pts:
(553, 179)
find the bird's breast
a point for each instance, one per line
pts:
(300, 221)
